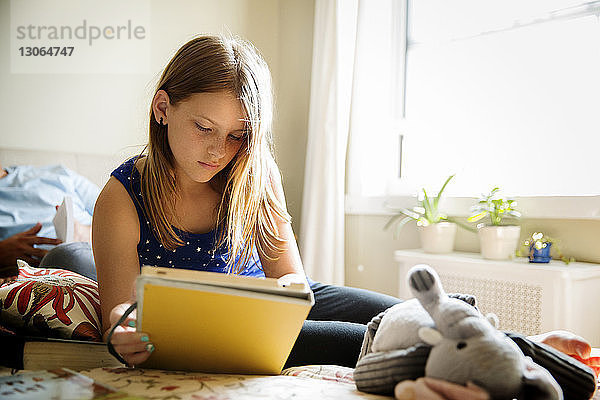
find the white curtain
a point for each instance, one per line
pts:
(352, 83)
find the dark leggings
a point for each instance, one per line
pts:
(336, 325)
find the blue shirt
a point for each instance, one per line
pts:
(29, 194)
(197, 253)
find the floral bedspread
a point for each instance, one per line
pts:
(309, 382)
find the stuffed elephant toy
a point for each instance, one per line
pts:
(464, 345)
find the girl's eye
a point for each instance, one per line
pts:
(203, 129)
(236, 138)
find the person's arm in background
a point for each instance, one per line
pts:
(21, 246)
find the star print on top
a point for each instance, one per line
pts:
(197, 253)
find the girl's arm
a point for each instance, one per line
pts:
(115, 235)
(288, 265)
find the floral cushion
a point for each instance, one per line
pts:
(52, 303)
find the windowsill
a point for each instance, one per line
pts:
(555, 207)
(475, 259)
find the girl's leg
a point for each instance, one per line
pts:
(341, 303)
(327, 342)
(336, 325)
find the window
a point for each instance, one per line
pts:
(502, 93)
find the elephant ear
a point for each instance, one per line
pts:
(538, 384)
(430, 336)
(493, 319)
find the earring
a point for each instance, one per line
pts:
(161, 123)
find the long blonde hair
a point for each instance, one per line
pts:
(248, 209)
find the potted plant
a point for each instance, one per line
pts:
(539, 249)
(498, 240)
(436, 229)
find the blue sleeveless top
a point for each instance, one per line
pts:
(196, 254)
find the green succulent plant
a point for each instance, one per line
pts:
(494, 206)
(427, 212)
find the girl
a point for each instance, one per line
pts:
(207, 195)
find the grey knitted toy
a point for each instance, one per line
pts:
(464, 346)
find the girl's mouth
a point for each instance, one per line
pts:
(209, 166)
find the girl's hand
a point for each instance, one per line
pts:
(135, 347)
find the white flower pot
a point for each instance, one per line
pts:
(499, 242)
(438, 238)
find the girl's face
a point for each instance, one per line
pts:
(205, 133)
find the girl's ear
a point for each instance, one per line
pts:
(160, 104)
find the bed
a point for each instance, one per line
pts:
(308, 382)
(314, 381)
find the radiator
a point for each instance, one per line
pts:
(527, 298)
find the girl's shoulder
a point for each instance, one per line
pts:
(129, 172)
(122, 188)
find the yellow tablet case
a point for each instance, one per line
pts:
(211, 322)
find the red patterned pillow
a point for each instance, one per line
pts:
(52, 303)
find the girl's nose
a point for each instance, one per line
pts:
(217, 147)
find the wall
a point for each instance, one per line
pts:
(369, 252)
(106, 114)
(292, 98)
